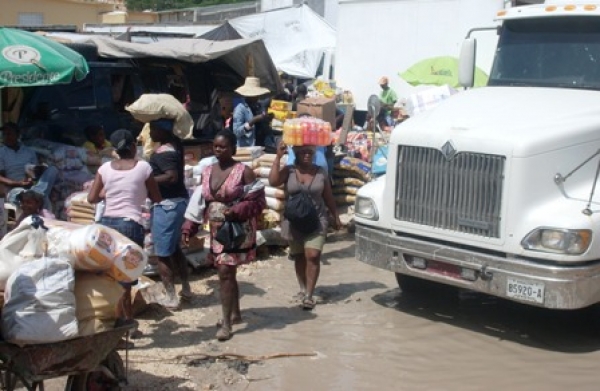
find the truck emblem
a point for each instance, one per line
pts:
(448, 150)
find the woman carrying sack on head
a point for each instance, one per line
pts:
(305, 225)
(167, 216)
(231, 195)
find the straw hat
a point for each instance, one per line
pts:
(252, 88)
(383, 80)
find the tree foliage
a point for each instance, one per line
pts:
(162, 5)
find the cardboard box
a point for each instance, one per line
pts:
(320, 107)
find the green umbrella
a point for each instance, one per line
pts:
(439, 71)
(28, 59)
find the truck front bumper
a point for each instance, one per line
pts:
(564, 287)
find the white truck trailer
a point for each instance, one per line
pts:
(385, 37)
(496, 189)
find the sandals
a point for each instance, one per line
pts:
(224, 334)
(236, 321)
(186, 295)
(298, 297)
(308, 303)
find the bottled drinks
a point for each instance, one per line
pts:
(305, 133)
(288, 137)
(325, 134)
(297, 134)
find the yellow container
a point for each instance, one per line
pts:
(281, 105)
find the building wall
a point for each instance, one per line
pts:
(128, 17)
(54, 12)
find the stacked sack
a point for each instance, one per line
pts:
(248, 155)
(349, 174)
(96, 248)
(45, 300)
(269, 222)
(275, 197)
(79, 210)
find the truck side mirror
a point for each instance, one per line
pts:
(466, 65)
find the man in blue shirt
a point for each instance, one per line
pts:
(248, 116)
(15, 158)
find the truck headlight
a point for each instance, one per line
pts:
(365, 207)
(555, 240)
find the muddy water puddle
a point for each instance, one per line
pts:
(369, 336)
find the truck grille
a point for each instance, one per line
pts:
(461, 194)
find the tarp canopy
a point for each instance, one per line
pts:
(242, 56)
(296, 37)
(224, 32)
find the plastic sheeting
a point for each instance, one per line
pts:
(296, 38)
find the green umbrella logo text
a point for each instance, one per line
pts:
(21, 54)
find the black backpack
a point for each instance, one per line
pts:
(301, 212)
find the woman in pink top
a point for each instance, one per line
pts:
(124, 185)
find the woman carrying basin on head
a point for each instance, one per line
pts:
(305, 247)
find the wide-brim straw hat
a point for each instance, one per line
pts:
(251, 87)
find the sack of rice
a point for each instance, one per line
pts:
(341, 190)
(344, 199)
(150, 107)
(275, 192)
(275, 204)
(343, 181)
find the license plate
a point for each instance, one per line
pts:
(523, 290)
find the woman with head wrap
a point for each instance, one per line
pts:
(124, 184)
(167, 216)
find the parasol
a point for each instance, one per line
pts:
(28, 59)
(439, 71)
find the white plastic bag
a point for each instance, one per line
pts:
(40, 303)
(22, 244)
(195, 209)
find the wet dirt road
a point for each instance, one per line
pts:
(365, 335)
(368, 336)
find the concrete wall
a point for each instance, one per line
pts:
(55, 12)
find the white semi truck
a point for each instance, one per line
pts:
(496, 189)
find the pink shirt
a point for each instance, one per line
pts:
(125, 190)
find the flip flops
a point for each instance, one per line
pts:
(308, 303)
(224, 334)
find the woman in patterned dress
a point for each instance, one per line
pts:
(231, 192)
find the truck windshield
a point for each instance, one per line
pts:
(548, 52)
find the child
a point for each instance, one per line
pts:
(32, 203)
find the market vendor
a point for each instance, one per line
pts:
(20, 168)
(250, 119)
(388, 99)
(96, 141)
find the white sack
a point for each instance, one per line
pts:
(22, 244)
(39, 303)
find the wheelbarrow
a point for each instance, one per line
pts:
(79, 358)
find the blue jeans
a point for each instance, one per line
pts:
(43, 186)
(126, 227)
(167, 219)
